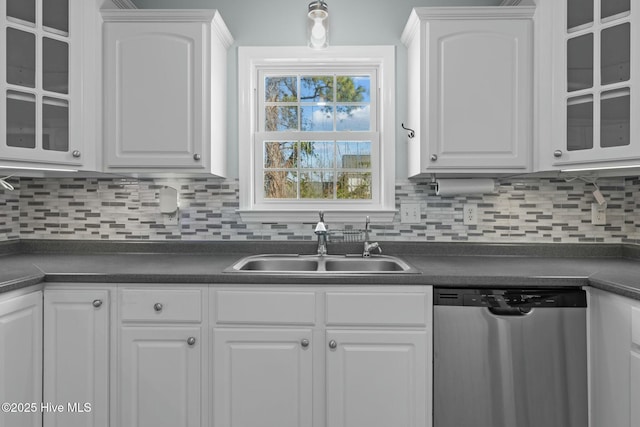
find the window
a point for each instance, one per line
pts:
(311, 133)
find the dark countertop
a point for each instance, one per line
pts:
(615, 268)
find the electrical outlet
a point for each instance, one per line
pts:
(598, 214)
(410, 213)
(470, 213)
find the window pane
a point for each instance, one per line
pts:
(355, 118)
(316, 89)
(280, 155)
(280, 185)
(21, 120)
(354, 185)
(615, 51)
(579, 12)
(21, 58)
(316, 185)
(280, 118)
(22, 9)
(55, 124)
(318, 155)
(281, 89)
(580, 62)
(354, 155)
(354, 89)
(614, 7)
(55, 14)
(55, 65)
(580, 123)
(615, 118)
(317, 118)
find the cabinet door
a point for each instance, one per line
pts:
(377, 379)
(41, 81)
(160, 377)
(480, 94)
(596, 95)
(154, 94)
(76, 357)
(610, 340)
(635, 389)
(262, 377)
(21, 359)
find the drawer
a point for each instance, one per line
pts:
(161, 305)
(635, 325)
(265, 307)
(376, 308)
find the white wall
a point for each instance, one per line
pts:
(283, 23)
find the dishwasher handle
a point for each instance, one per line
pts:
(509, 311)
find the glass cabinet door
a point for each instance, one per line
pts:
(597, 95)
(37, 87)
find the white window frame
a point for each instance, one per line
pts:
(252, 61)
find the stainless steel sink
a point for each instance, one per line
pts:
(328, 264)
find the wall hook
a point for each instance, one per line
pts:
(411, 133)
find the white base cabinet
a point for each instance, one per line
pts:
(76, 356)
(162, 374)
(21, 359)
(470, 99)
(357, 357)
(614, 325)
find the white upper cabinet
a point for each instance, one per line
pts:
(48, 83)
(165, 91)
(469, 89)
(587, 58)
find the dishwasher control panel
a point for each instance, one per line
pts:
(480, 297)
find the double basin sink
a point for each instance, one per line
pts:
(325, 264)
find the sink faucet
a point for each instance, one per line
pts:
(368, 247)
(322, 233)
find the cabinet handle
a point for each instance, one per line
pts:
(333, 344)
(304, 343)
(197, 157)
(76, 153)
(557, 153)
(157, 307)
(434, 157)
(97, 303)
(191, 340)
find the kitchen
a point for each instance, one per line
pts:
(54, 224)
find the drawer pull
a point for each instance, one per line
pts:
(191, 340)
(157, 307)
(333, 344)
(304, 343)
(97, 303)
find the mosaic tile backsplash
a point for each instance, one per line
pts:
(529, 210)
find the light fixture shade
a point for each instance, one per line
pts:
(318, 24)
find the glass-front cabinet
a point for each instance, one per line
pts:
(40, 78)
(595, 89)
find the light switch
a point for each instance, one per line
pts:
(410, 213)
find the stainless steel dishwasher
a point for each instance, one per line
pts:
(510, 358)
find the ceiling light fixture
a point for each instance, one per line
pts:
(318, 24)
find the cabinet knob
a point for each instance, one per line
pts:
(97, 303)
(191, 340)
(333, 344)
(76, 153)
(304, 343)
(557, 153)
(434, 157)
(157, 307)
(197, 157)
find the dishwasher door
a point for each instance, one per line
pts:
(510, 358)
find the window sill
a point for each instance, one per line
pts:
(311, 216)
